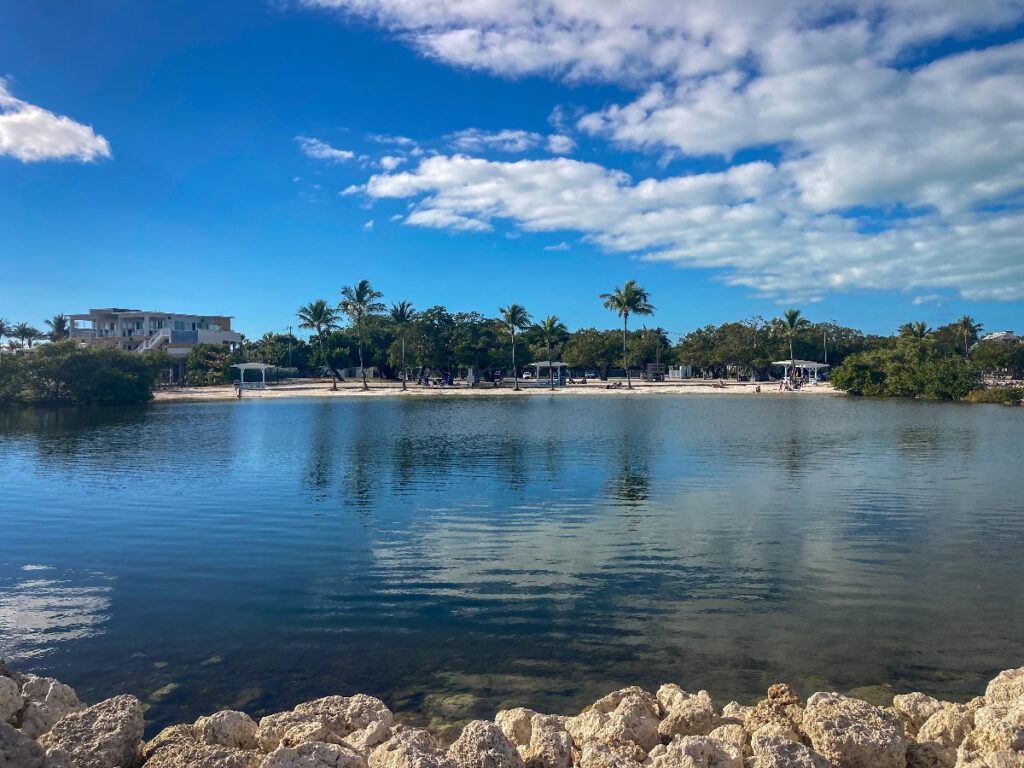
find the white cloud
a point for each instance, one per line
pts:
(562, 246)
(30, 133)
(507, 140)
(748, 222)
(368, 225)
(321, 150)
(560, 144)
(930, 298)
(400, 141)
(390, 162)
(352, 189)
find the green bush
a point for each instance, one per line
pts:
(63, 373)
(1000, 395)
(913, 368)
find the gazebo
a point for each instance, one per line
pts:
(243, 367)
(808, 366)
(547, 365)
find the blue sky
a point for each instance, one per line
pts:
(867, 165)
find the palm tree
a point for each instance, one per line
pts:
(320, 316)
(968, 330)
(26, 333)
(402, 315)
(551, 332)
(516, 318)
(5, 328)
(915, 330)
(793, 322)
(358, 301)
(60, 327)
(628, 300)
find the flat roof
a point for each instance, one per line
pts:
(118, 311)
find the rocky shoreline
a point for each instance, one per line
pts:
(44, 725)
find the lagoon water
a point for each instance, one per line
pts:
(454, 556)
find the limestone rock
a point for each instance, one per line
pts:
(930, 754)
(310, 731)
(772, 750)
(948, 726)
(685, 714)
(730, 733)
(183, 755)
(624, 719)
(998, 727)
(597, 755)
(227, 729)
(362, 721)
(781, 708)
(914, 709)
(695, 752)
(1006, 686)
(315, 754)
(515, 724)
(734, 712)
(17, 750)
(46, 701)
(10, 700)
(550, 745)
(409, 748)
(854, 734)
(173, 735)
(105, 735)
(482, 745)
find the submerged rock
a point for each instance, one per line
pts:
(854, 734)
(106, 735)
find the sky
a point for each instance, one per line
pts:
(862, 160)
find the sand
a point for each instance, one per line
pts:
(322, 388)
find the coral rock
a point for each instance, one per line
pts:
(626, 719)
(854, 734)
(1006, 686)
(772, 750)
(948, 726)
(17, 750)
(315, 754)
(227, 729)
(914, 709)
(362, 721)
(409, 748)
(685, 714)
(173, 735)
(482, 745)
(930, 754)
(183, 755)
(47, 701)
(596, 755)
(550, 745)
(515, 724)
(106, 735)
(695, 752)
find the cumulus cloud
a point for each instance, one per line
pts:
(30, 133)
(562, 246)
(508, 140)
(321, 150)
(748, 222)
(390, 162)
(560, 144)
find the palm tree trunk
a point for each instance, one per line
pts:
(792, 361)
(515, 372)
(334, 374)
(625, 364)
(405, 371)
(551, 371)
(362, 368)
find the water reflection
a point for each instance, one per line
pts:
(454, 556)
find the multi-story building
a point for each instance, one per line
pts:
(140, 331)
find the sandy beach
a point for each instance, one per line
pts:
(322, 388)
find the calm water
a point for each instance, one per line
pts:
(455, 556)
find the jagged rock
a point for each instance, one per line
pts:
(685, 714)
(550, 745)
(1007, 686)
(998, 727)
(482, 745)
(948, 726)
(771, 750)
(596, 755)
(409, 748)
(310, 731)
(1004, 759)
(10, 700)
(854, 734)
(46, 701)
(734, 712)
(182, 755)
(17, 750)
(105, 735)
(361, 721)
(695, 752)
(781, 708)
(315, 754)
(914, 709)
(730, 733)
(227, 728)
(172, 735)
(515, 724)
(930, 754)
(624, 719)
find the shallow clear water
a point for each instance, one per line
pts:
(454, 556)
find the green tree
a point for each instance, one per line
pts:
(60, 327)
(319, 316)
(967, 330)
(515, 319)
(359, 301)
(791, 323)
(27, 334)
(917, 329)
(551, 333)
(628, 300)
(402, 315)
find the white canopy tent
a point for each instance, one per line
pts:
(243, 367)
(809, 366)
(548, 365)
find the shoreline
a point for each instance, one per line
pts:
(322, 389)
(43, 724)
